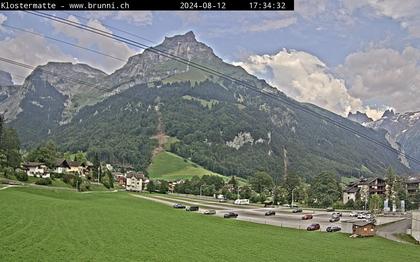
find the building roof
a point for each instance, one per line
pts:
(363, 223)
(32, 164)
(136, 175)
(67, 163)
(352, 189)
(413, 180)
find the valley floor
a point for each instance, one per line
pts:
(61, 225)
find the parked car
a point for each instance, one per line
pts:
(178, 205)
(210, 212)
(270, 213)
(313, 227)
(192, 208)
(334, 219)
(339, 214)
(297, 210)
(230, 214)
(333, 228)
(353, 214)
(307, 217)
(330, 209)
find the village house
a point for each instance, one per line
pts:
(413, 185)
(36, 169)
(364, 187)
(66, 166)
(134, 181)
(364, 229)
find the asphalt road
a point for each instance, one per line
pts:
(284, 216)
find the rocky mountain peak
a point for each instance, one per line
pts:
(359, 117)
(5, 78)
(388, 113)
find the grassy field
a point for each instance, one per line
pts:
(60, 225)
(169, 166)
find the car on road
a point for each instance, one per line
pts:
(334, 219)
(192, 208)
(313, 227)
(222, 200)
(210, 212)
(333, 228)
(297, 210)
(230, 214)
(307, 217)
(270, 213)
(338, 214)
(177, 205)
(330, 209)
(364, 215)
(353, 214)
(286, 205)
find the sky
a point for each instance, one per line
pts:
(342, 55)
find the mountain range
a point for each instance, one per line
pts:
(403, 130)
(215, 122)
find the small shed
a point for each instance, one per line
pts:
(364, 229)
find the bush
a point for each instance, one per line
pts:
(21, 176)
(44, 181)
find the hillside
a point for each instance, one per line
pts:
(169, 166)
(218, 124)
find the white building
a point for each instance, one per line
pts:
(36, 169)
(134, 182)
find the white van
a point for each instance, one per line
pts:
(241, 202)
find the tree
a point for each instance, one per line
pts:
(324, 190)
(108, 179)
(163, 187)
(390, 179)
(46, 153)
(291, 182)
(234, 183)
(151, 187)
(375, 202)
(261, 181)
(10, 147)
(96, 167)
(245, 192)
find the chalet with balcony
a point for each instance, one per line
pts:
(134, 181)
(413, 185)
(365, 187)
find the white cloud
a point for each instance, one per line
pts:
(106, 45)
(405, 12)
(384, 76)
(133, 17)
(3, 18)
(272, 24)
(303, 77)
(26, 48)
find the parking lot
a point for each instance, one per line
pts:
(283, 217)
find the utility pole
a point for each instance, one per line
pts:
(292, 196)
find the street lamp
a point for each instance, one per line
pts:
(292, 196)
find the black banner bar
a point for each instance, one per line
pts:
(152, 5)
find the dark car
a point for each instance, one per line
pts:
(333, 228)
(313, 227)
(307, 216)
(339, 214)
(178, 206)
(330, 209)
(192, 208)
(270, 213)
(334, 219)
(297, 210)
(230, 214)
